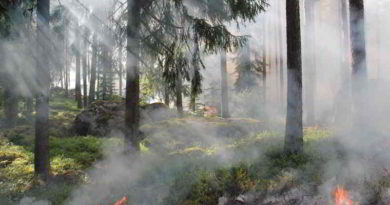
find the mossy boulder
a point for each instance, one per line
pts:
(103, 117)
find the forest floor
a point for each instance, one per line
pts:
(186, 161)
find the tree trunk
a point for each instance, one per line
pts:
(104, 70)
(193, 100)
(66, 62)
(98, 75)
(78, 86)
(110, 73)
(92, 83)
(120, 54)
(359, 64)
(132, 116)
(179, 96)
(310, 62)
(41, 152)
(358, 40)
(294, 127)
(85, 68)
(224, 87)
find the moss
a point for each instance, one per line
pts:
(69, 156)
(83, 150)
(61, 103)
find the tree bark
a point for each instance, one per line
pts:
(294, 126)
(104, 71)
(85, 68)
(41, 152)
(224, 87)
(110, 73)
(78, 86)
(359, 64)
(193, 100)
(132, 115)
(120, 54)
(92, 83)
(98, 74)
(358, 40)
(179, 96)
(66, 62)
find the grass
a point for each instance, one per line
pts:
(196, 173)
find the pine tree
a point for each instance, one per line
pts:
(85, 68)
(41, 153)
(294, 125)
(132, 116)
(224, 87)
(92, 83)
(78, 73)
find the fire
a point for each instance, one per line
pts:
(340, 196)
(123, 201)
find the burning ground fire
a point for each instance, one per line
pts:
(340, 196)
(123, 201)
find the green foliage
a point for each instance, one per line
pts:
(216, 37)
(68, 157)
(83, 150)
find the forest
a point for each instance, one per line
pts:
(194, 102)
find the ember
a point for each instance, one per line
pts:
(340, 196)
(123, 201)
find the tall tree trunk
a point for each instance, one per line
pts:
(66, 62)
(41, 153)
(358, 40)
(179, 95)
(120, 54)
(110, 74)
(85, 50)
(98, 75)
(78, 86)
(294, 128)
(132, 116)
(224, 87)
(310, 62)
(193, 98)
(104, 71)
(92, 83)
(359, 64)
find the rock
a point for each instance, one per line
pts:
(103, 117)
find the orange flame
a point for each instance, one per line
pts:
(123, 201)
(340, 196)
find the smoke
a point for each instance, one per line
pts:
(149, 177)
